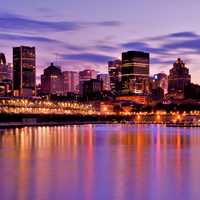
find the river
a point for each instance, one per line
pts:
(100, 162)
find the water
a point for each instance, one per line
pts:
(100, 162)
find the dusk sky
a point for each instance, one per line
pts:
(79, 34)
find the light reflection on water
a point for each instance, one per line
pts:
(100, 162)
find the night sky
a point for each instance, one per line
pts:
(79, 34)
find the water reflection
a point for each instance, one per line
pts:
(100, 162)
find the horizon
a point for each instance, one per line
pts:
(78, 36)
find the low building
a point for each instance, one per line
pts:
(105, 81)
(70, 82)
(52, 81)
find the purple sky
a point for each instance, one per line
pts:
(78, 34)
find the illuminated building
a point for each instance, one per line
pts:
(105, 80)
(86, 75)
(135, 98)
(133, 79)
(114, 68)
(178, 79)
(160, 80)
(52, 80)
(134, 72)
(71, 82)
(24, 71)
(5, 76)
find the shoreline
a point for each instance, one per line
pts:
(10, 125)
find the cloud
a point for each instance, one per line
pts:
(107, 48)
(88, 57)
(13, 22)
(144, 46)
(161, 61)
(109, 23)
(193, 44)
(183, 35)
(39, 40)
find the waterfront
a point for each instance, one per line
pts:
(100, 162)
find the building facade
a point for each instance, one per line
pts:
(160, 80)
(114, 70)
(70, 82)
(134, 72)
(178, 79)
(92, 89)
(86, 75)
(105, 81)
(24, 71)
(52, 81)
(5, 76)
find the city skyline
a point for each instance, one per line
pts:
(89, 39)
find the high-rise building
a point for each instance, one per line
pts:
(24, 71)
(105, 81)
(52, 80)
(114, 68)
(178, 79)
(71, 82)
(134, 72)
(86, 75)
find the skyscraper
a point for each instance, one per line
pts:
(134, 72)
(71, 82)
(178, 79)
(114, 68)
(24, 71)
(52, 80)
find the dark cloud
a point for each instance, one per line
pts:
(135, 45)
(20, 23)
(11, 22)
(107, 48)
(183, 35)
(109, 23)
(193, 44)
(161, 61)
(88, 57)
(185, 42)
(13, 37)
(39, 40)
(143, 46)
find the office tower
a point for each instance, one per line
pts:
(24, 71)
(114, 68)
(70, 82)
(105, 81)
(86, 75)
(134, 73)
(178, 79)
(52, 80)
